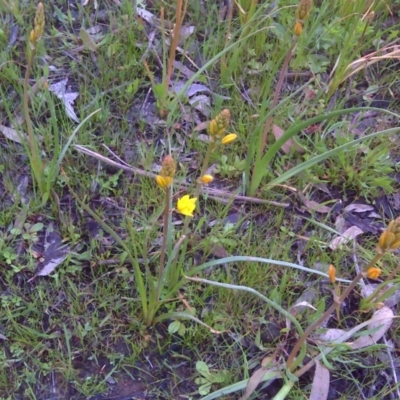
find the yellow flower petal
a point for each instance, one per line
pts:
(229, 138)
(205, 179)
(373, 273)
(186, 205)
(164, 181)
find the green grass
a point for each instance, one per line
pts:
(81, 327)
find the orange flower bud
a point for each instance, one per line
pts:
(373, 273)
(332, 273)
(205, 179)
(298, 28)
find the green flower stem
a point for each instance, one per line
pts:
(290, 364)
(268, 123)
(165, 238)
(197, 190)
(35, 160)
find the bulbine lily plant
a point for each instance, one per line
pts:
(159, 285)
(45, 172)
(296, 365)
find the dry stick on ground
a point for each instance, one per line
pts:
(216, 194)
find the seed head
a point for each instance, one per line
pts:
(168, 167)
(38, 29)
(303, 9)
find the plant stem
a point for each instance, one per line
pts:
(197, 190)
(267, 126)
(36, 162)
(174, 43)
(164, 241)
(290, 365)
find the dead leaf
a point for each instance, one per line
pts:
(355, 207)
(68, 98)
(55, 252)
(313, 205)
(380, 322)
(201, 126)
(320, 384)
(348, 235)
(12, 134)
(254, 381)
(290, 144)
(201, 103)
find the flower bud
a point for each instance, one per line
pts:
(373, 273)
(205, 179)
(298, 28)
(164, 181)
(332, 273)
(229, 138)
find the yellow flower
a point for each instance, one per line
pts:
(373, 273)
(229, 138)
(186, 205)
(298, 28)
(332, 273)
(205, 179)
(163, 181)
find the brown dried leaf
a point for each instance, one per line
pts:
(320, 384)
(290, 144)
(12, 134)
(348, 235)
(254, 381)
(381, 321)
(313, 205)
